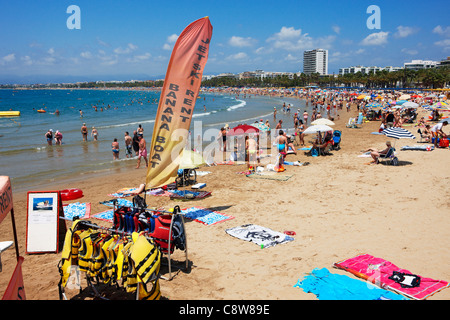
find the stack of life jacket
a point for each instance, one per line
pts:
(157, 226)
(111, 258)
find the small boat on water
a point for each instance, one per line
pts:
(41, 111)
(9, 113)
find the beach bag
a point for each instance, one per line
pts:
(443, 143)
(405, 280)
(314, 152)
(139, 202)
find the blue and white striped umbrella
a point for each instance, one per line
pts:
(398, 133)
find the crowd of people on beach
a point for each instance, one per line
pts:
(321, 103)
(381, 105)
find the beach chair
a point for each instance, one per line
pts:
(351, 123)
(186, 177)
(390, 157)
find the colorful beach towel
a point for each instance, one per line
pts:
(119, 203)
(205, 216)
(107, 215)
(122, 193)
(187, 194)
(420, 148)
(259, 235)
(77, 209)
(381, 272)
(328, 286)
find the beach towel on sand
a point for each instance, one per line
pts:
(77, 209)
(259, 235)
(379, 271)
(205, 216)
(328, 286)
(107, 215)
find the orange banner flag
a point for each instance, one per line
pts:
(177, 101)
(6, 200)
(16, 289)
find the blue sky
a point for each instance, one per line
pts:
(122, 40)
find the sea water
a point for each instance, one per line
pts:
(27, 159)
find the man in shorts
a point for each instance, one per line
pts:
(437, 132)
(128, 145)
(142, 152)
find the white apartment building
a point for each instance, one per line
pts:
(421, 64)
(366, 70)
(315, 61)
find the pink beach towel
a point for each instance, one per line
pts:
(378, 271)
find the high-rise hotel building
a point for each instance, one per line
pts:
(315, 61)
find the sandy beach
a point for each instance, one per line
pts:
(338, 207)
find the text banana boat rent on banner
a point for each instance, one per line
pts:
(178, 97)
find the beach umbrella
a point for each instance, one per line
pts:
(440, 104)
(261, 126)
(317, 129)
(401, 101)
(323, 121)
(398, 133)
(410, 104)
(374, 105)
(361, 96)
(242, 129)
(191, 159)
(404, 97)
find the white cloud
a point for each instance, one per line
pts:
(170, 42)
(441, 31)
(241, 42)
(336, 29)
(172, 38)
(403, 32)
(375, 39)
(51, 51)
(27, 60)
(443, 43)
(9, 58)
(86, 55)
(140, 58)
(410, 51)
(260, 50)
(237, 56)
(292, 39)
(287, 33)
(129, 48)
(290, 57)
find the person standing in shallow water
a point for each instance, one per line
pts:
(94, 133)
(84, 131)
(49, 137)
(142, 152)
(115, 149)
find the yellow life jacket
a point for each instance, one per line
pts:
(154, 294)
(146, 257)
(86, 249)
(104, 274)
(65, 263)
(98, 256)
